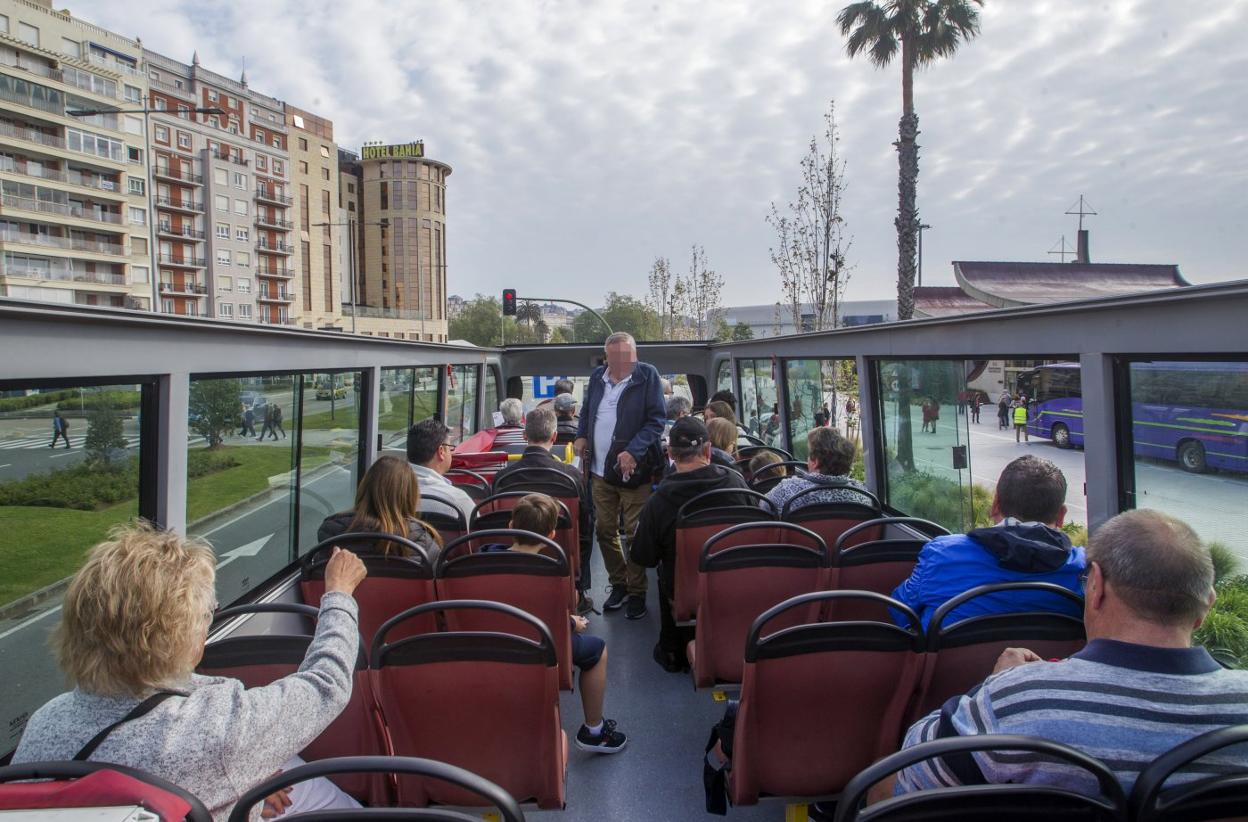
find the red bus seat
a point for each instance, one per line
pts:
(879, 564)
(559, 486)
(697, 521)
(963, 654)
(257, 660)
(830, 520)
(772, 474)
(473, 484)
(1216, 797)
(820, 701)
(393, 584)
(444, 516)
(737, 584)
(75, 784)
(535, 583)
(482, 700)
(494, 513)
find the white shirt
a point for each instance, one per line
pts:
(604, 420)
(439, 486)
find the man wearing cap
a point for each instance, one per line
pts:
(654, 544)
(565, 417)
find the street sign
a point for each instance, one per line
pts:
(544, 387)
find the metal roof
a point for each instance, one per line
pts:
(1008, 284)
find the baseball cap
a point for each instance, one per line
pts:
(565, 402)
(688, 432)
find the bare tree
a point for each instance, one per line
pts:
(704, 288)
(811, 242)
(661, 299)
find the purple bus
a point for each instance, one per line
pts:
(1192, 413)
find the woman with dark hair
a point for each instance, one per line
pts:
(387, 500)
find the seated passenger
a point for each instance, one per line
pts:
(677, 407)
(1026, 545)
(430, 452)
(654, 544)
(759, 470)
(726, 396)
(132, 630)
(830, 457)
(718, 408)
(565, 416)
(1137, 690)
(723, 434)
(539, 514)
(386, 500)
(511, 432)
(540, 434)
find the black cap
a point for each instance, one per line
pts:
(688, 432)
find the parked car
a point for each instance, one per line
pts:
(324, 392)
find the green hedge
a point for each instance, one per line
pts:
(116, 400)
(941, 500)
(36, 400)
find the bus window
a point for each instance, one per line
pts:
(329, 427)
(812, 384)
(723, 376)
(461, 401)
(1189, 430)
(758, 406)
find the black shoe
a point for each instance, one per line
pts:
(636, 607)
(669, 661)
(585, 605)
(616, 598)
(609, 741)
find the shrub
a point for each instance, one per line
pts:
(214, 409)
(1077, 532)
(1225, 630)
(83, 487)
(941, 500)
(97, 400)
(36, 400)
(200, 462)
(104, 435)
(1225, 561)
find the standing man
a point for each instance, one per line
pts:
(618, 442)
(60, 428)
(1020, 419)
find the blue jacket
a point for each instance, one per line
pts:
(1008, 552)
(639, 416)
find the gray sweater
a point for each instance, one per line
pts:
(221, 738)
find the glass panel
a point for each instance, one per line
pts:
(1189, 424)
(330, 450)
(760, 411)
(461, 401)
(924, 437)
(491, 389)
(408, 395)
(240, 476)
(817, 393)
(62, 486)
(723, 376)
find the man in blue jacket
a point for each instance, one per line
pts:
(617, 439)
(1026, 545)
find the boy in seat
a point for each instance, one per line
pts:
(539, 514)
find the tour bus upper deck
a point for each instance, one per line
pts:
(148, 399)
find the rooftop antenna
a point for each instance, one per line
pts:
(1062, 248)
(1083, 209)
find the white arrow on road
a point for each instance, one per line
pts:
(249, 550)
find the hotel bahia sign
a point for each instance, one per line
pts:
(404, 150)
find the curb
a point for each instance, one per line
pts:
(256, 497)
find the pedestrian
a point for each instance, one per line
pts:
(1003, 412)
(821, 416)
(277, 421)
(268, 423)
(60, 428)
(249, 422)
(976, 399)
(829, 414)
(931, 413)
(1020, 420)
(961, 403)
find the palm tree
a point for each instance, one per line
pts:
(924, 31)
(528, 313)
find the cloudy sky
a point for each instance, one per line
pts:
(588, 137)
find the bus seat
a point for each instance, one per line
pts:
(486, 701)
(697, 521)
(986, 803)
(831, 520)
(559, 486)
(73, 784)
(962, 655)
(535, 583)
(443, 516)
(494, 796)
(494, 513)
(393, 583)
(257, 660)
(737, 584)
(771, 475)
(820, 701)
(471, 483)
(1216, 797)
(879, 564)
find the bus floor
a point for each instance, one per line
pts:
(658, 776)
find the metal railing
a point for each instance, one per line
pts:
(188, 262)
(63, 209)
(276, 272)
(276, 295)
(69, 243)
(186, 205)
(164, 171)
(278, 248)
(186, 288)
(38, 272)
(189, 233)
(273, 197)
(242, 161)
(268, 222)
(70, 176)
(31, 135)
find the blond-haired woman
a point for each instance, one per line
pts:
(132, 630)
(387, 500)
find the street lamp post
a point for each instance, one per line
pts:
(922, 226)
(154, 272)
(350, 225)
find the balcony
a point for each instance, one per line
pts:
(182, 262)
(164, 173)
(63, 209)
(264, 319)
(161, 85)
(31, 135)
(67, 243)
(70, 177)
(264, 122)
(229, 158)
(275, 247)
(166, 230)
(272, 222)
(44, 272)
(188, 289)
(281, 271)
(275, 295)
(273, 197)
(179, 205)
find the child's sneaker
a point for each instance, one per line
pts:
(609, 741)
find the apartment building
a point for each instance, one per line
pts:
(221, 168)
(400, 225)
(74, 212)
(314, 179)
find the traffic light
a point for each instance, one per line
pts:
(509, 302)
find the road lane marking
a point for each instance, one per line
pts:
(31, 621)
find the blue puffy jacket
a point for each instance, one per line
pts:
(639, 416)
(1010, 551)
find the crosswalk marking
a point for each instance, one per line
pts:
(75, 443)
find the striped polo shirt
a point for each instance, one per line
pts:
(1121, 703)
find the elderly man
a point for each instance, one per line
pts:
(565, 417)
(511, 432)
(430, 450)
(1137, 690)
(618, 440)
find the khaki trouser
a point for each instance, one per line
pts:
(609, 503)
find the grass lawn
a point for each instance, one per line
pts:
(44, 545)
(344, 416)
